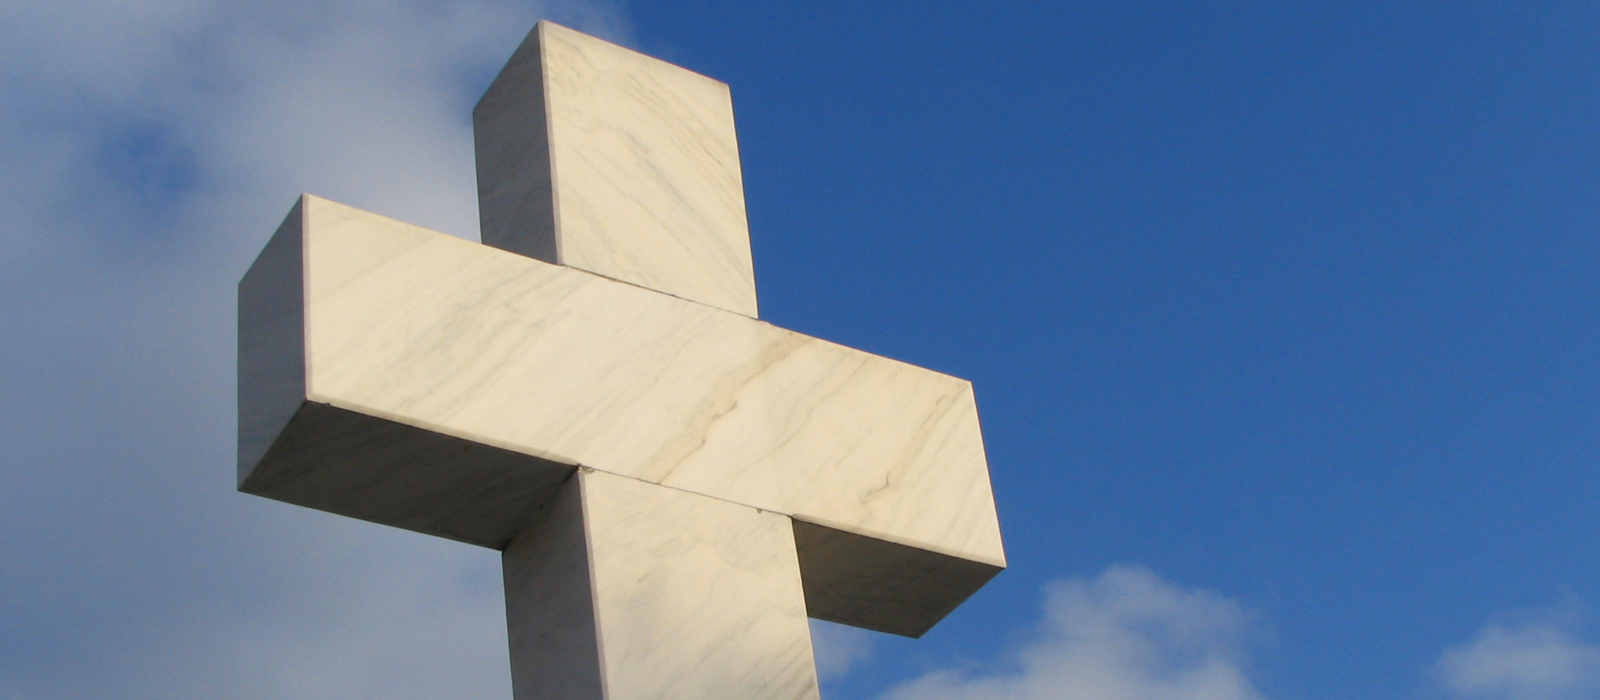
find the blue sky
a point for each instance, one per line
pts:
(1281, 318)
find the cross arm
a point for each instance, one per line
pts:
(407, 377)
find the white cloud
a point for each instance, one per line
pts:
(838, 648)
(128, 118)
(147, 149)
(1126, 635)
(1537, 658)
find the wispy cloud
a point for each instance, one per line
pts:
(147, 149)
(183, 114)
(1126, 635)
(838, 648)
(1538, 657)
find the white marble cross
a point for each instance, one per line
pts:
(675, 484)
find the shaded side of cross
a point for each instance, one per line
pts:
(675, 484)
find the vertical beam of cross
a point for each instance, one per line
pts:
(664, 593)
(606, 160)
(675, 485)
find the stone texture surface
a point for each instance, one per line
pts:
(272, 368)
(674, 484)
(626, 590)
(881, 585)
(435, 332)
(378, 470)
(550, 605)
(682, 581)
(607, 160)
(353, 463)
(564, 367)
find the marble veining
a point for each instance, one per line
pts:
(674, 484)
(428, 330)
(550, 608)
(607, 160)
(695, 597)
(511, 137)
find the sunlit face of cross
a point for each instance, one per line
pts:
(675, 484)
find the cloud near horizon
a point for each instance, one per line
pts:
(1124, 635)
(1527, 657)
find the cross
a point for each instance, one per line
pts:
(674, 484)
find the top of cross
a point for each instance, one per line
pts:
(600, 158)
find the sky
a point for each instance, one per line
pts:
(1280, 318)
